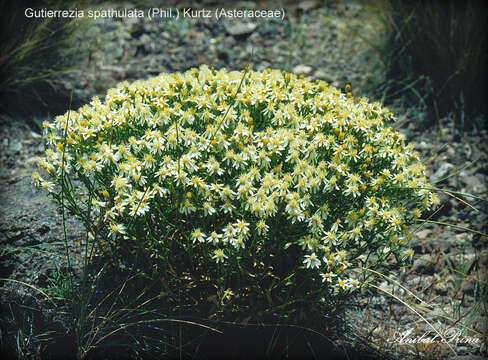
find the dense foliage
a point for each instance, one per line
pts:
(437, 56)
(242, 190)
(36, 53)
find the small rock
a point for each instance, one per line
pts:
(113, 68)
(146, 43)
(13, 236)
(423, 234)
(441, 288)
(266, 31)
(463, 259)
(423, 145)
(451, 152)
(137, 30)
(424, 265)
(43, 228)
(302, 69)
(117, 52)
(15, 146)
(483, 258)
(386, 287)
(32, 161)
(468, 150)
(263, 66)
(223, 54)
(463, 239)
(481, 324)
(35, 135)
(323, 75)
(307, 5)
(4, 173)
(442, 172)
(197, 35)
(17, 175)
(108, 26)
(425, 241)
(240, 28)
(467, 287)
(475, 184)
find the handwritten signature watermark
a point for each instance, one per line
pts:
(447, 336)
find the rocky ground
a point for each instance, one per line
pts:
(444, 287)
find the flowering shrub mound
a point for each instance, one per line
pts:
(247, 189)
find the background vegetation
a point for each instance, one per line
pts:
(436, 56)
(36, 54)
